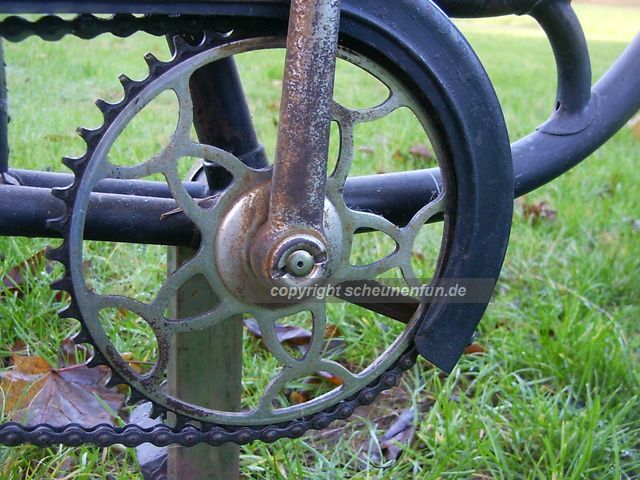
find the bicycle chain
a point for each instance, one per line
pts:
(73, 435)
(87, 26)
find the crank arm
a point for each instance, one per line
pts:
(300, 169)
(291, 247)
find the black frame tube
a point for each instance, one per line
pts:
(139, 188)
(24, 212)
(573, 108)
(4, 115)
(224, 120)
(25, 209)
(541, 156)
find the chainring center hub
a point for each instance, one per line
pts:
(303, 264)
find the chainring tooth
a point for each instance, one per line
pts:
(114, 380)
(108, 110)
(82, 336)
(70, 311)
(157, 411)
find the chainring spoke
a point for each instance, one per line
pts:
(220, 313)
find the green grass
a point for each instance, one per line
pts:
(557, 395)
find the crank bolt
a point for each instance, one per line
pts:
(300, 263)
(293, 260)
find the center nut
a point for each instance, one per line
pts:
(300, 263)
(296, 258)
(290, 259)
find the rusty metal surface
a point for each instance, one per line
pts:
(298, 188)
(300, 170)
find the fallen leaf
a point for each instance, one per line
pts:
(335, 343)
(399, 435)
(15, 280)
(421, 150)
(538, 211)
(71, 354)
(333, 331)
(331, 378)
(34, 393)
(19, 347)
(304, 394)
(419, 256)
(475, 349)
(285, 333)
(138, 366)
(30, 365)
(296, 397)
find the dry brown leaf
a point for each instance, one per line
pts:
(398, 156)
(15, 280)
(475, 349)
(331, 378)
(18, 347)
(285, 333)
(366, 150)
(136, 366)
(68, 352)
(421, 150)
(333, 331)
(303, 395)
(31, 365)
(399, 435)
(538, 211)
(35, 393)
(300, 338)
(419, 256)
(296, 397)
